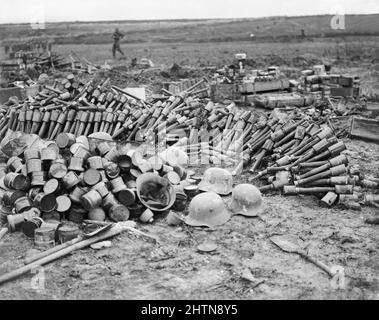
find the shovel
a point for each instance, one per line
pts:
(292, 246)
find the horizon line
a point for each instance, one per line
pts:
(190, 19)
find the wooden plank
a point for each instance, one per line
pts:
(365, 129)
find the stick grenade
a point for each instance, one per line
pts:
(190, 89)
(3, 132)
(140, 121)
(96, 121)
(270, 170)
(4, 123)
(70, 118)
(325, 134)
(112, 122)
(332, 151)
(12, 118)
(53, 120)
(282, 180)
(45, 123)
(28, 119)
(109, 99)
(16, 122)
(95, 94)
(132, 96)
(332, 172)
(89, 123)
(104, 118)
(82, 124)
(128, 123)
(60, 122)
(121, 119)
(265, 149)
(332, 181)
(342, 159)
(123, 102)
(37, 119)
(75, 124)
(21, 121)
(292, 190)
(310, 132)
(315, 164)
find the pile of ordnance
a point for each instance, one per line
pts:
(83, 178)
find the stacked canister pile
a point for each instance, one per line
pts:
(73, 179)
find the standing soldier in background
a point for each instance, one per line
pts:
(117, 36)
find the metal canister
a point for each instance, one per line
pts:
(34, 191)
(109, 201)
(14, 164)
(125, 162)
(91, 177)
(15, 181)
(52, 186)
(45, 202)
(4, 212)
(112, 155)
(112, 170)
(76, 164)
(38, 179)
(191, 191)
(118, 213)
(33, 165)
(77, 193)
(52, 145)
(104, 177)
(44, 237)
(10, 197)
(57, 170)
(91, 199)
(95, 163)
(77, 215)
(102, 189)
(136, 210)
(29, 226)
(118, 185)
(80, 151)
(63, 204)
(103, 148)
(173, 219)
(182, 173)
(127, 197)
(83, 140)
(131, 184)
(48, 154)
(172, 177)
(67, 232)
(23, 204)
(31, 153)
(65, 140)
(70, 180)
(147, 216)
(180, 202)
(15, 222)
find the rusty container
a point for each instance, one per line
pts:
(180, 202)
(49, 154)
(91, 177)
(102, 189)
(147, 216)
(95, 163)
(77, 215)
(76, 164)
(70, 180)
(112, 170)
(29, 226)
(103, 148)
(38, 179)
(67, 232)
(31, 153)
(45, 202)
(63, 204)
(77, 193)
(23, 204)
(44, 237)
(15, 181)
(118, 213)
(14, 164)
(91, 199)
(65, 140)
(57, 170)
(52, 186)
(118, 185)
(127, 197)
(33, 165)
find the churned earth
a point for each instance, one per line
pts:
(246, 264)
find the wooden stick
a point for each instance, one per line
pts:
(116, 230)
(48, 252)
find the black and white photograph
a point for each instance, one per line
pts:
(189, 155)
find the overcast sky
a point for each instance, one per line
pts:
(92, 10)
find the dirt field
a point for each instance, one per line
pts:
(246, 265)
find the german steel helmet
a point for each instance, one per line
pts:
(217, 180)
(207, 210)
(246, 200)
(155, 192)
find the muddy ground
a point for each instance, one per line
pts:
(246, 265)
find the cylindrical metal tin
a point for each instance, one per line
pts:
(45, 202)
(23, 204)
(180, 202)
(63, 204)
(91, 199)
(57, 170)
(70, 180)
(38, 179)
(52, 186)
(44, 237)
(14, 164)
(31, 153)
(91, 177)
(76, 164)
(103, 148)
(48, 154)
(147, 216)
(112, 170)
(33, 165)
(67, 233)
(29, 226)
(127, 197)
(76, 194)
(118, 213)
(102, 189)
(15, 181)
(65, 140)
(95, 163)
(77, 215)
(118, 185)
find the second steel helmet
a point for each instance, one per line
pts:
(207, 210)
(246, 200)
(217, 180)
